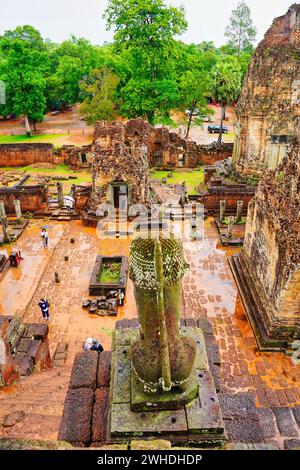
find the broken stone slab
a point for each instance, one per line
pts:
(38, 331)
(34, 349)
(285, 422)
(77, 416)
(241, 418)
(23, 345)
(13, 418)
(84, 372)
(24, 364)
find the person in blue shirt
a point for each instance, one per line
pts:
(96, 346)
(45, 308)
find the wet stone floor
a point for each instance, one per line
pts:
(259, 392)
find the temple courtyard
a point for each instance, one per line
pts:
(259, 392)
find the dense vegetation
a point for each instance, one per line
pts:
(145, 72)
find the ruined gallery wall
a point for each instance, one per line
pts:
(25, 154)
(269, 102)
(32, 199)
(165, 149)
(212, 199)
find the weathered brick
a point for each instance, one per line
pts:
(104, 369)
(285, 422)
(77, 416)
(100, 413)
(84, 372)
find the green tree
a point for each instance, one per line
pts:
(23, 65)
(71, 62)
(241, 32)
(99, 90)
(225, 85)
(194, 81)
(144, 31)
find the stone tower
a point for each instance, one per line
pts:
(270, 98)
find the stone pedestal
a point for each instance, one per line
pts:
(222, 210)
(188, 416)
(239, 209)
(18, 210)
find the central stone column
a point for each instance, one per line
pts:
(162, 359)
(160, 378)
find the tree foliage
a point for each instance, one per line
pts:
(241, 32)
(145, 29)
(99, 90)
(225, 84)
(146, 72)
(23, 65)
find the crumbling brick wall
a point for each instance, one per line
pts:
(25, 154)
(117, 163)
(270, 98)
(271, 252)
(164, 148)
(32, 198)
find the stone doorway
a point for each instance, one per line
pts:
(120, 195)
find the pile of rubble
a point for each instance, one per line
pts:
(105, 305)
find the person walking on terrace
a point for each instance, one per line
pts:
(45, 309)
(44, 235)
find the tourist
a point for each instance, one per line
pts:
(120, 297)
(44, 236)
(96, 346)
(45, 308)
(88, 344)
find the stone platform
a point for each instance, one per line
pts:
(256, 313)
(196, 417)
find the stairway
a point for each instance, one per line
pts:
(41, 399)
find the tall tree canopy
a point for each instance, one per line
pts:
(194, 82)
(23, 65)
(225, 85)
(241, 32)
(145, 30)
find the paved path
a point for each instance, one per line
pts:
(209, 291)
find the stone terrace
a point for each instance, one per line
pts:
(259, 392)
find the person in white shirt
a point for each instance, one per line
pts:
(44, 236)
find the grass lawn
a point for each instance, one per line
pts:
(23, 139)
(110, 273)
(192, 178)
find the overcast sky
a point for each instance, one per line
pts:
(58, 19)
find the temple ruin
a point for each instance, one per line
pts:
(268, 269)
(270, 98)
